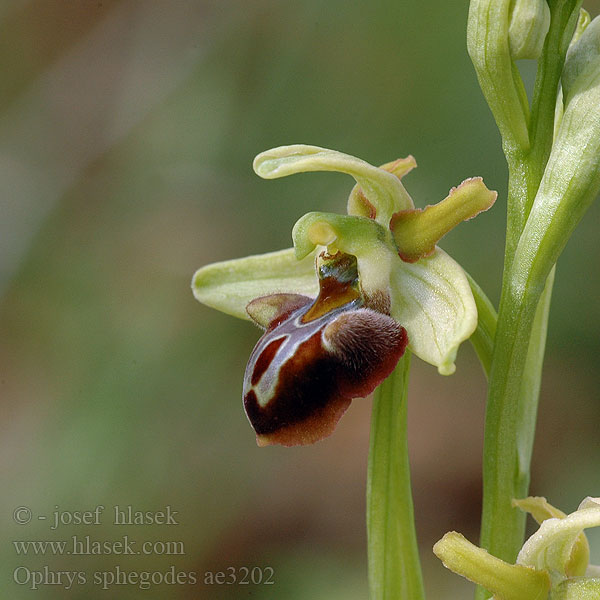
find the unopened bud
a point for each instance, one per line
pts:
(581, 56)
(529, 24)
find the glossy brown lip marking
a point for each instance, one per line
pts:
(338, 285)
(265, 358)
(315, 385)
(332, 294)
(307, 382)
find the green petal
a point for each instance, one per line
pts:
(552, 545)
(381, 188)
(529, 24)
(432, 299)
(505, 581)
(230, 285)
(539, 508)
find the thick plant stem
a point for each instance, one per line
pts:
(394, 566)
(510, 419)
(515, 375)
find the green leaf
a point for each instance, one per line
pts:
(488, 46)
(581, 53)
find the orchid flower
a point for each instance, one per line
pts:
(340, 306)
(554, 560)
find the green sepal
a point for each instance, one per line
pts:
(229, 286)
(541, 510)
(381, 188)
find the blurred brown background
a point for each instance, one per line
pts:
(127, 132)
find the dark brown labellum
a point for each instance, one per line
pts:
(307, 367)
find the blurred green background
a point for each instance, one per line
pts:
(127, 132)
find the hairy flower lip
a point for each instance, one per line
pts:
(316, 356)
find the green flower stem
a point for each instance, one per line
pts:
(510, 418)
(514, 383)
(522, 319)
(394, 566)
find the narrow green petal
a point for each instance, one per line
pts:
(505, 581)
(539, 508)
(432, 299)
(230, 285)
(381, 188)
(416, 232)
(552, 545)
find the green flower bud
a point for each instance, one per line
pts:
(529, 24)
(581, 56)
(499, 79)
(570, 183)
